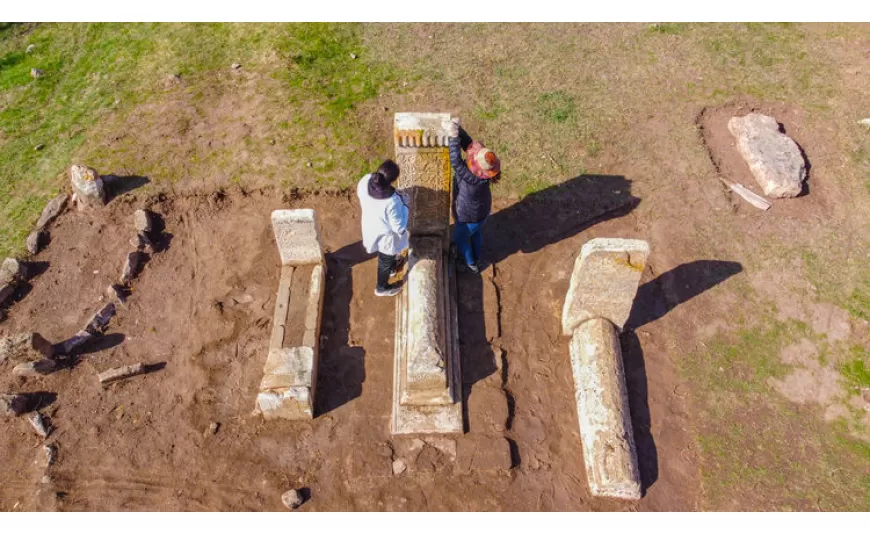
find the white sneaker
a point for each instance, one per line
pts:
(389, 291)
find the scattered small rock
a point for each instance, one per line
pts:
(12, 271)
(29, 49)
(309, 164)
(27, 346)
(81, 337)
(39, 424)
(864, 122)
(88, 187)
(37, 368)
(131, 267)
(45, 480)
(39, 147)
(117, 293)
(13, 404)
(50, 451)
(213, 428)
(33, 241)
(292, 499)
(236, 66)
(142, 221)
(36, 73)
(399, 466)
(120, 373)
(101, 319)
(353, 56)
(52, 209)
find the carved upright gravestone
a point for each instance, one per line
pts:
(427, 379)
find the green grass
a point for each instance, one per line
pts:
(755, 442)
(556, 107)
(856, 370)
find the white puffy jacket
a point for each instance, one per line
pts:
(384, 221)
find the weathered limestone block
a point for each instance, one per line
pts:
(298, 236)
(88, 187)
(12, 272)
(142, 221)
(774, 158)
(28, 346)
(421, 141)
(602, 408)
(424, 380)
(33, 241)
(604, 281)
(427, 379)
(290, 374)
(52, 210)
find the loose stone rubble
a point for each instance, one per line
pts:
(774, 158)
(88, 188)
(602, 289)
(290, 374)
(427, 380)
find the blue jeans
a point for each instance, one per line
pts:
(469, 240)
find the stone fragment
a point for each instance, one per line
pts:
(13, 405)
(142, 243)
(50, 451)
(36, 73)
(235, 66)
(116, 292)
(29, 49)
(54, 208)
(120, 373)
(71, 344)
(39, 147)
(604, 281)
(774, 159)
(213, 428)
(298, 236)
(37, 368)
(292, 499)
(12, 272)
(142, 221)
(33, 242)
(132, 265)
(101, 319)
(287, 388)
(39, 424)
(864, 122)
(88, 187)
(27, 346)
(399, 467)
(603, 412)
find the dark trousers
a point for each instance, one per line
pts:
(385, 265)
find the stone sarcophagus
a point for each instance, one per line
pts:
(427, 380)
(290, 373)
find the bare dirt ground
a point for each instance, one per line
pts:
(203, 307)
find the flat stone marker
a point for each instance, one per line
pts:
(290, 374)
(774, 158)
(604, 282)
(427, 379)
(602, 407)
(298, 236)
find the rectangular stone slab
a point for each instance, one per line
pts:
(432, 403)
(604, 281)
(424, 372)
(298, 236)
(603, 412)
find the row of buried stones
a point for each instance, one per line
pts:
(601, 292)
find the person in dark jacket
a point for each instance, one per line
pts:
(472, 199)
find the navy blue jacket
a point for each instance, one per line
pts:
(472, 200)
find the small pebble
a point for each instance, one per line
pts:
(36, 73)
(29, 49)
(399, 467)
(309, 164)
(39, 147)
(236, 66)
(213, 428)
(292, 499)
(353, 56)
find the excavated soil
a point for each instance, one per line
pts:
(200, 314)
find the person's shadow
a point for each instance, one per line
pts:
(538, 220)
(341, 368)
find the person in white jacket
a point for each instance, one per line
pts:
(384, 222)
